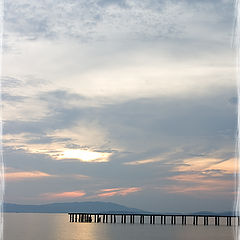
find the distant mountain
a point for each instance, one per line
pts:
(92, 207)
(229, 213)
(200, 213)
(89, 207)
(204, 213)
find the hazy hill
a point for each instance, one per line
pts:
(90, 207)
(101, 207)
(229, 213)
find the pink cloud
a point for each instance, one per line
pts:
(201, 164)
(145, 161)
(110, 189)
(197, 183)
(11, 176)
(118, 191)
(80, 176)
(202, 175)
(108, 194)
(74, 194)
(198, 191)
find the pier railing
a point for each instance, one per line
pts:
(154, 218)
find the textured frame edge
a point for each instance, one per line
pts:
(237, 147)
(2, 180)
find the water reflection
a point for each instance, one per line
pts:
(20, 226)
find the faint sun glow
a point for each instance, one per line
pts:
(84, 155)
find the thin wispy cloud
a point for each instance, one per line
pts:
(118, 191)
(209, 191)
(63, 195)
(23, 175)
(145, 161)
(206, 165)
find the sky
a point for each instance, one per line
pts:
(132, 102)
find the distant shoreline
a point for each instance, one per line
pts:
(93, 207)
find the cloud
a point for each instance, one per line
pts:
(205, 175)
(12, 98)
(82, 155)
(214, 189)
(63, 195)
(132, 79)
(79, 176)
(104, 19)
(208, 165)
(145, 161)
(140, 131)
(23, 175)
(121, 3)
(10, 83)
(123, 69)
(163, 157)
(118, 191)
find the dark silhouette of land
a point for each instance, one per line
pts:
(92, 207)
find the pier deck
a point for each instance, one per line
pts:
(154, 218)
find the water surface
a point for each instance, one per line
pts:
(35, 226)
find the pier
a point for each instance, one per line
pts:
(154, 219)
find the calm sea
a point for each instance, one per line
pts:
(28, 226)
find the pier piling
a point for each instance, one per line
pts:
(154, 218)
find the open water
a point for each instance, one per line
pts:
(35, 226)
